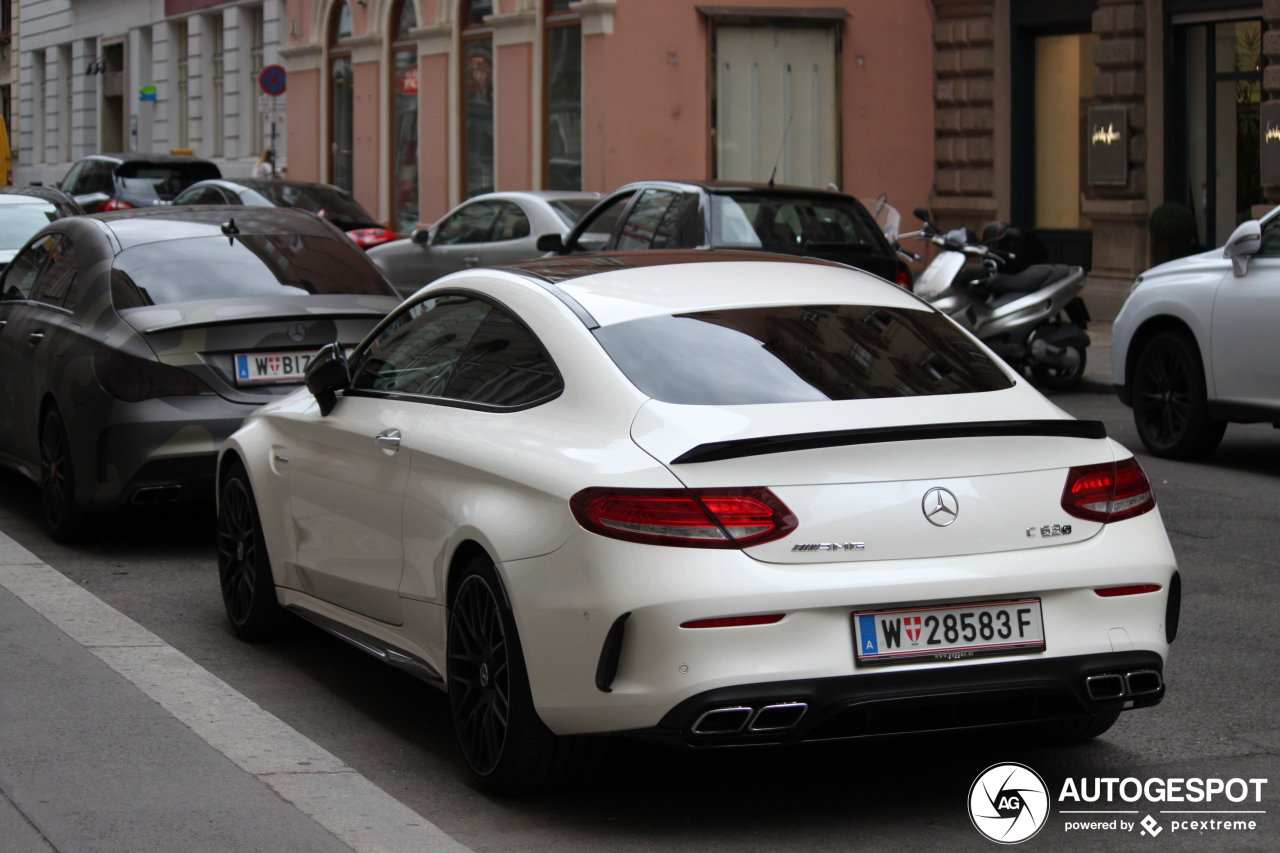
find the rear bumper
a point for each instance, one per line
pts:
(924, 700)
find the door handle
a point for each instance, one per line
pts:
(388, 439)
(35, 338)
(471, 261)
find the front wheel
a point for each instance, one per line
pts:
(507, 747)
(244, 570)
(1170, 402)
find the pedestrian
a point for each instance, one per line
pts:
(266, 167)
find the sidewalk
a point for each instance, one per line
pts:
(111, 740)
(1097, 368)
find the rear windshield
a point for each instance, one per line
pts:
(163, 180)
(798, 354)
(197, 268)
(572, 209)
(330, 202)
(797, 225)
(19, 221)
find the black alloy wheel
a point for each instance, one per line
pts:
(244, 571)
(1170, 400)
(66, 520)
(479, 675)
(505, 743)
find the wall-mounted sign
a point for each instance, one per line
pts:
(1269, 127)
(147, 93)
(1107, 136)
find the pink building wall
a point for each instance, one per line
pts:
(645, 96)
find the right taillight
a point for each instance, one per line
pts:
(687, 518)
(133, 379)
(1112, 491)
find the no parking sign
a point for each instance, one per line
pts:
(271, 80)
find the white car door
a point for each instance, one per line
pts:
(1245, 342)
(348, 470)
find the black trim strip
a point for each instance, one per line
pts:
(572, 304)
(738, 448)
(610, 653)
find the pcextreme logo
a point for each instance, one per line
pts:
(1009, 803)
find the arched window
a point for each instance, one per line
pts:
(563, 119)
(477, 98)
(404, 118)
(341, 99)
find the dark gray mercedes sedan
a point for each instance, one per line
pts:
(132, 343)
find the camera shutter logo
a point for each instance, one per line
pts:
(1008, 803)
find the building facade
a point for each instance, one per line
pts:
(415, 105)
(145, 75)
(9, 51)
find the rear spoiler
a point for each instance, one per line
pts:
(344, 314)
(738, 448)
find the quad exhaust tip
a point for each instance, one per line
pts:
(1140, 682)
(771, 718)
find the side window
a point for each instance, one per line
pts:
(53, 284)
(469, 225)
(645, 219)
(511, 224)
(73, 176)
(416, 353)
(504, 365)
(599, 228)
(1270, 239)
(681, 226)
(208, 195)
(97, 177)
(21, 275)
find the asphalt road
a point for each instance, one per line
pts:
(1219, 719)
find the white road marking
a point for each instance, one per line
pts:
(316, 782)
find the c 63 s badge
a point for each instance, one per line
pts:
(829, 546)
(1049, 530)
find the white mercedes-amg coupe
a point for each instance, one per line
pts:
(711, 498)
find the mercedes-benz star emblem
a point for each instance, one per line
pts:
(940, 507)
(296, 332)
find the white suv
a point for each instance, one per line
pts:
(1197, 344)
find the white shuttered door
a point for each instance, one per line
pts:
(765, 77)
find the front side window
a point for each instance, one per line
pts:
(458, 348)
(20, 276)
(798, 353)
(59, 273)
(597, 231)
(253, 265)
(471, 224)
(662, 219)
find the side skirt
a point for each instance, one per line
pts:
(370, 645)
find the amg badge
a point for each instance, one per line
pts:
(830, 546)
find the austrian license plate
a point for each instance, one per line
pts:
(271, 367)
(948, 632)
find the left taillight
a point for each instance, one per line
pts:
(132, 379)
(367, 238)
(113, 204)
(686, 518)
(902, 277)
(1112, 491)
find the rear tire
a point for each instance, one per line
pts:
(508, 748)
(66, 520)
(244, 569)
(1170, 401)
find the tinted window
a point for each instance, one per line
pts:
(201, 195)
(511, 223)
(645, 217)
(792, 225)
(798, 353)
(162, 180)
(68, 183)
(250, 265)
(571, 209)
(55, 281)
(333, 204)
(96, 178)
(504, 365)
(600, 228)
(471, 224)
(416, 352)
(20, 276)
(662, 219)
(19, 221)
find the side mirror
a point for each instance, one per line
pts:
(421, 236)
(1243, 243)
(327, 373)
(921, 213)
(550, 243)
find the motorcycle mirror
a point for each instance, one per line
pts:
(921, 213)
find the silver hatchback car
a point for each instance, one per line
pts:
(494, 228)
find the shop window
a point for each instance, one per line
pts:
(341, 100)
(563, 120)
(477, 99)
(404, 119)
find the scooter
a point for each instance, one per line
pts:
(1028, 312)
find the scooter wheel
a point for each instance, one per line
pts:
(1059, 378)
